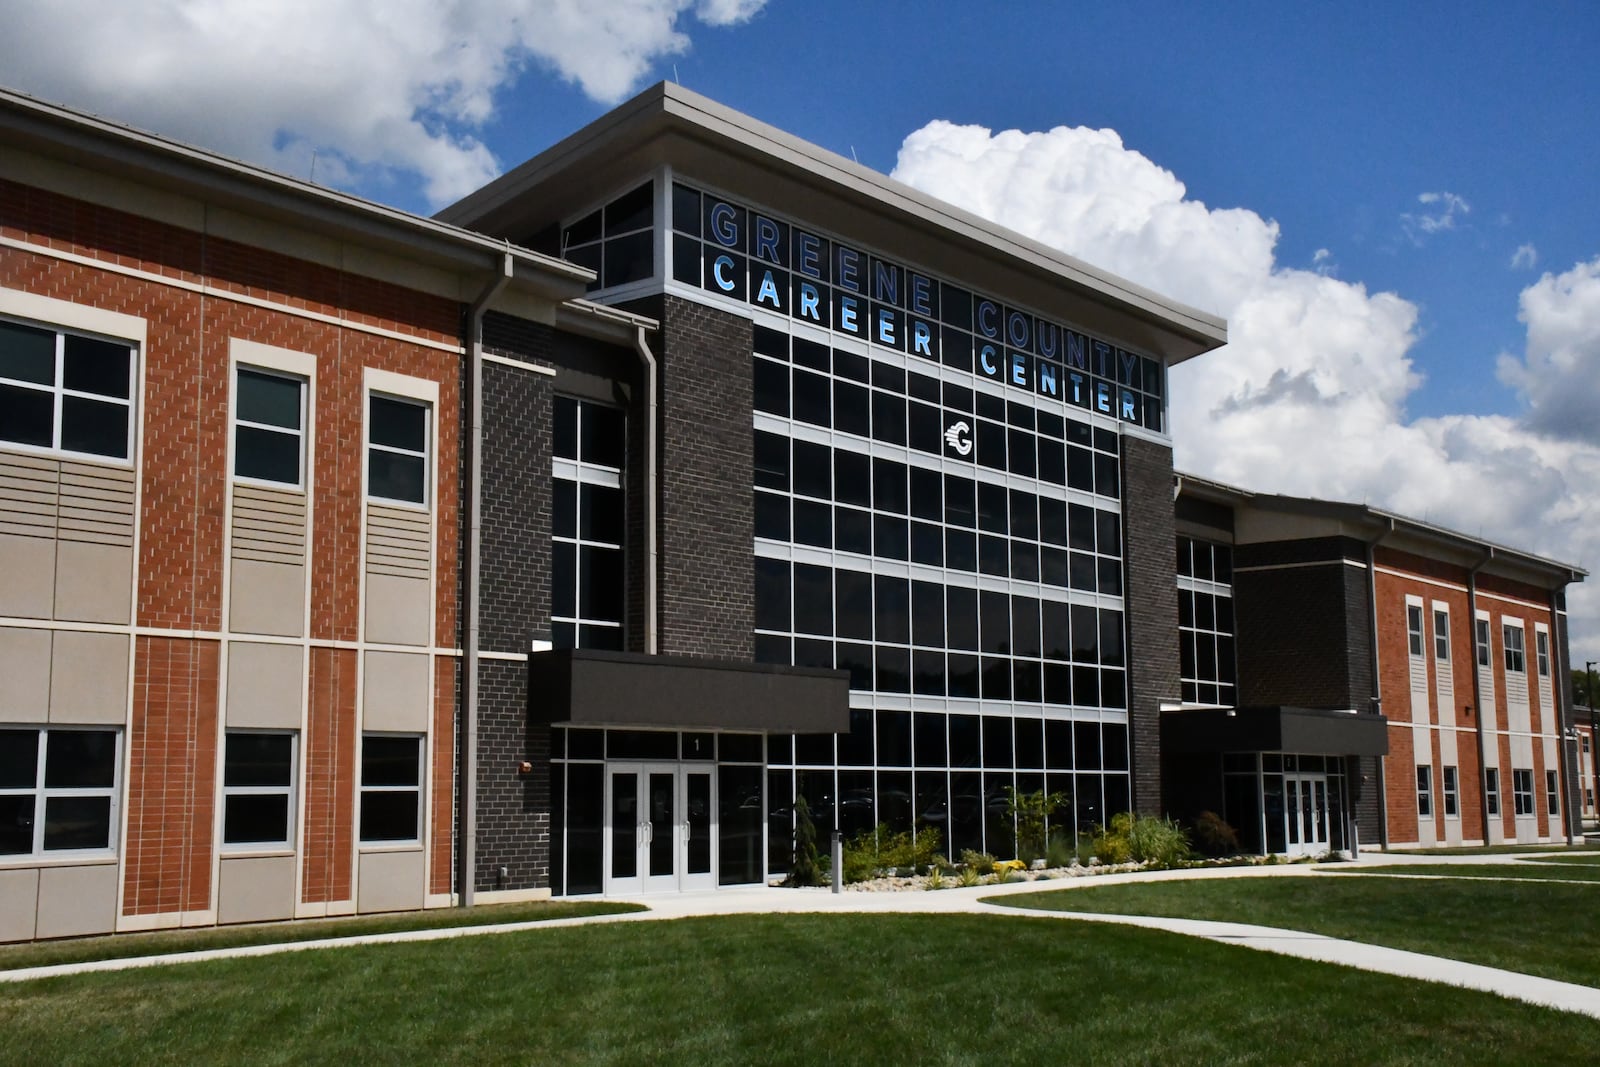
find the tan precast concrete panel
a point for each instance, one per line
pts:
(94, 583)
(395, 692)
(29, 566)
(397, 610)
(255, 889)
(265, 685)
(267, 598)
(392, 881)
(75, 901)
(89, 678)
(19, 904)
(24, 675)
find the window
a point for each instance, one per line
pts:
(268, 426)
(257, 789)
(1512, 636)
(1552, 795)
(67, 776)
(391, 788)
(1522, 791)
(617, 242)
(1541, 645)
(1451, 810)
(1205, 622)
(587, 572)
(397, 449)
(1441, 634)
(1414, 628)
(1491, 788)
(1483, 642)
(1424, 790)
(65, 392)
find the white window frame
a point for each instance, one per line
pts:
(42, 794)
(1522, 792)
(1414, 626)
(1441, 633)
(290, 790)
(1482, 638)
(1449, 784)
(1424, 791)
(1552, 794)
(1541, 645)
(58, 390)
(299, 434)
(415, 790)
(1491, 789)
(582, 472)
(1515, 651)
(421, 392)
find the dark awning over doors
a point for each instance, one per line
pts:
(1275, 729)
(586, 687)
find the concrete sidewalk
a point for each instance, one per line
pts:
(985, 900)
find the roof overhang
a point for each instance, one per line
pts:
(705, 142)
(1310, 731)
(586, 687)
(95, 144)
(1375, 525)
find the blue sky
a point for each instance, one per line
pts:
(1393, 204)
(1332, 121)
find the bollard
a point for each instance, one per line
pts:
(838, 862)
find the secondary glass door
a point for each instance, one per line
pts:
(1305, 803)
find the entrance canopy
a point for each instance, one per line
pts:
(1275, 729)
(588, 687)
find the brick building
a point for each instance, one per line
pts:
(355, 561)
(1356, 677)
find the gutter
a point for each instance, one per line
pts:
(1477, 686)
(467, 748)
(1569, 743)
(648, 359)
(1377, 689)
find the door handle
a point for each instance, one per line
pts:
(686, 831)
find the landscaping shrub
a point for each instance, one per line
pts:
(1214, 836)
(1141, 839)
(881, 849)
(1032, 812)
(804, 869)
(979, 862)
(1060, 852)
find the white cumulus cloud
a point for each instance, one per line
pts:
(398, 87)
(1559, 374)
(1526, 257)
(1309, 396)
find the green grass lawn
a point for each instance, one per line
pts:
(79, 950)
(807, 989)
(1582, 859)
(1534, 870)
(1530, 926)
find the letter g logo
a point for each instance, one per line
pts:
(956, 437)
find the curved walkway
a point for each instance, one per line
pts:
(1565, 996)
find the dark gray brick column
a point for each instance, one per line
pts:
(1151, 598)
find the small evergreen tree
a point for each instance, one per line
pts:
(803, 871)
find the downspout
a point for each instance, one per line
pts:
(467, 748)
(647, 358)
(1477, 687)
(1561, 675)
(1377, 690)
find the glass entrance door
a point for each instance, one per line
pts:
(660, 828)
(1305, 809)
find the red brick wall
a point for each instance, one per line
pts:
(327, 823)
(440, 871)
(184, 482)
(172, 788)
